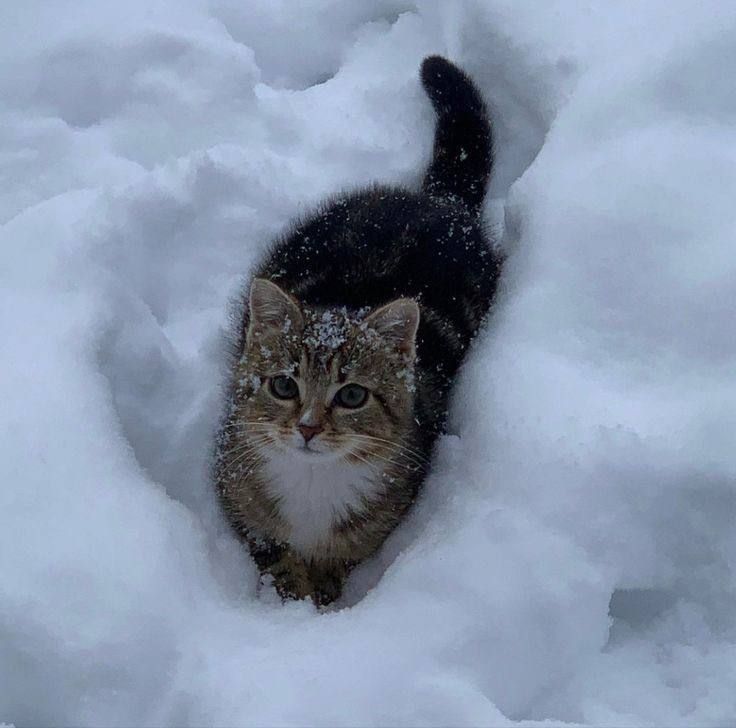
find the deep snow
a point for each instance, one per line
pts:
(573, 555)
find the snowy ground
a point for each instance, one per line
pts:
(573, 555)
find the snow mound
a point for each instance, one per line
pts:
(572, 558)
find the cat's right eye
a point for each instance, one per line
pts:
(351, 396)
(283, 387)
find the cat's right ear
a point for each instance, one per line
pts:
(397, 323)
(270, 308)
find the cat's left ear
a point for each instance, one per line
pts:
(271, 308)
(397, 323)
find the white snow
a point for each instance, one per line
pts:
(572, 558)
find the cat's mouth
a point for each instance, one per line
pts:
(310, 451)
(313, 450)
(309, 454)
(313, 446)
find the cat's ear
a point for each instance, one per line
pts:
(272, 308)
(397, 323)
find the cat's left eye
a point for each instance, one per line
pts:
(351, 396)
(284, 387)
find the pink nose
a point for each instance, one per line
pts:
(309, 431)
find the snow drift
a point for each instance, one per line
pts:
(572, 557)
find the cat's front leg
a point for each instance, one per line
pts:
(287, 569)
(328, 578)
(291, 576)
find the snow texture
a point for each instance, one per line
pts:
(572, 557)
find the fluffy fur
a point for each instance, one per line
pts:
(351, 333)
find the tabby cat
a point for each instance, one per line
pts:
(349, 338)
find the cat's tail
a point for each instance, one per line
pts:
(463, 145)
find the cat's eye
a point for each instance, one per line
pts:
(351, 396)
(284, 387)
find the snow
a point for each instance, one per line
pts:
(572, 557)
(326, 332)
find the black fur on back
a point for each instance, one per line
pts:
(369, 247)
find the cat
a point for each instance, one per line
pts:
(348, 339)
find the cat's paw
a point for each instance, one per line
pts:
(327, 591)
(328, 582)
(291, 577)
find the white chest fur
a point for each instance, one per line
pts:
(314, 496)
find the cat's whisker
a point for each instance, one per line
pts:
(397, 463)
(241, 431)
(246, 436)
(396, 446)
(247, 460)
(242, 453)
(245, 426)
(398, 442)
(353, 453)
(242, 457)
(237, 452)
(245, 443)
(405, 463)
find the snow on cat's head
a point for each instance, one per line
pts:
(326, 384)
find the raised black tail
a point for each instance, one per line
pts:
(463, 146)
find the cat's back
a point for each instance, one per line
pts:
(367, 247)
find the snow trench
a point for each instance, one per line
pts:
(572, 555)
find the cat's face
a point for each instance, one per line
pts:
(328, 384)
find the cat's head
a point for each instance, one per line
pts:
(326, 383)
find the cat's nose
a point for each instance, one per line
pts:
(309, 431)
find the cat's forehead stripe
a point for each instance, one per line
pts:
(336, 370)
